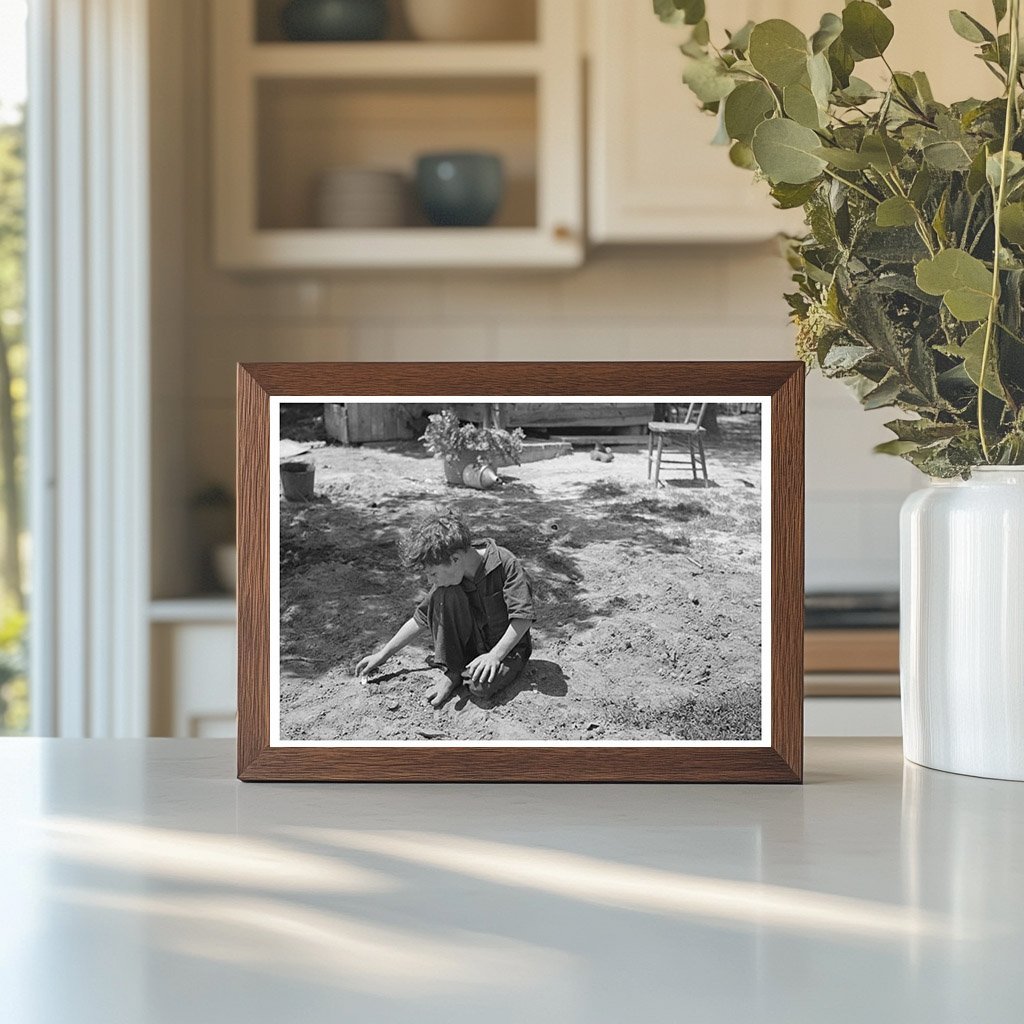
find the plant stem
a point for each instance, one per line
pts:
(768, 85)
(993, 309)
(981, 231)
(908, 101)
(1012, 334)
(969, 218)
(855, 187)
(922, 225)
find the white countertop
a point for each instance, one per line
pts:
(143, 885)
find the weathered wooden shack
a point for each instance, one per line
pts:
(359, 422)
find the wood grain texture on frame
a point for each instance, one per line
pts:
(782, 761)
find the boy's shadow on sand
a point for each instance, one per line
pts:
(539, 676)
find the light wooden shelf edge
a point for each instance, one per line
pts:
(852, 650)
(212, 608)
(392, 60)
(401, 247)
(851, 684)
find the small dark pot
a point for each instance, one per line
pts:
(297, 480)
(331, 21)
(460, 189)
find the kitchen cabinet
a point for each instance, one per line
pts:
(193, 667)
(653, 175)
(287, 113)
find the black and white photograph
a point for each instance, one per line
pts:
(492, 570)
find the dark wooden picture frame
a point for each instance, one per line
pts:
(781, 383)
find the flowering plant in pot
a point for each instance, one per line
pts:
(463, 445)
(908, 288)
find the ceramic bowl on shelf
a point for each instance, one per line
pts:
(361, 198)
(460, 189)
(332, 21)
(471, 20)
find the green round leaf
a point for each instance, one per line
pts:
(800, 105)
(961, 279)
(1012, 223)
(866, 29)
(820, 76)
(844, 159)
(972, 353)
(674, 12)
(708, 81)
(895, 212)
(747, 106)
(779, 51)
(947, 156)
(968, 28)
(740, 39)
(789, 197)
(1014, 169)
(976, 175)
(841, 61)
(785, 152)
(882, 152)
(829, 30)
(743, 156)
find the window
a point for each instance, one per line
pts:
(14, 703)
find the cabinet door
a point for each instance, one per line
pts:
(654, 175)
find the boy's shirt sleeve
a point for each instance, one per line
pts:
(420, 614)
(517, 591)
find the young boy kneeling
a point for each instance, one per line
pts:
(478, 611)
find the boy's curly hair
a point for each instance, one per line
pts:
(436, 539)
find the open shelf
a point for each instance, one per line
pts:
(286, 114)
(306, 128)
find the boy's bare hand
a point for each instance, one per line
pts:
(370, 663)
(484, 668)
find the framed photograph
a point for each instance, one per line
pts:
(520, 572)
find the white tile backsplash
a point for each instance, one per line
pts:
(509, 297)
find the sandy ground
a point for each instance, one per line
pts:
(648, 604)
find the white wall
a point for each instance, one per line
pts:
(655, 303)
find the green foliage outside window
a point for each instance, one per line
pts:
(13, 414)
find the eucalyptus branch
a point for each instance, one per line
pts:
(853, 185)
(907, 99)
(923, 227)
(969, 217)
(892, 292)
(981, 231)
(1006, 330)
(1000, 198)
(771, 89)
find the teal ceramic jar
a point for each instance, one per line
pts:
(460, 189)
(330, 21)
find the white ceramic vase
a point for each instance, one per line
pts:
(962, 624)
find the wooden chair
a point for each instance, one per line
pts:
(685, 434)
